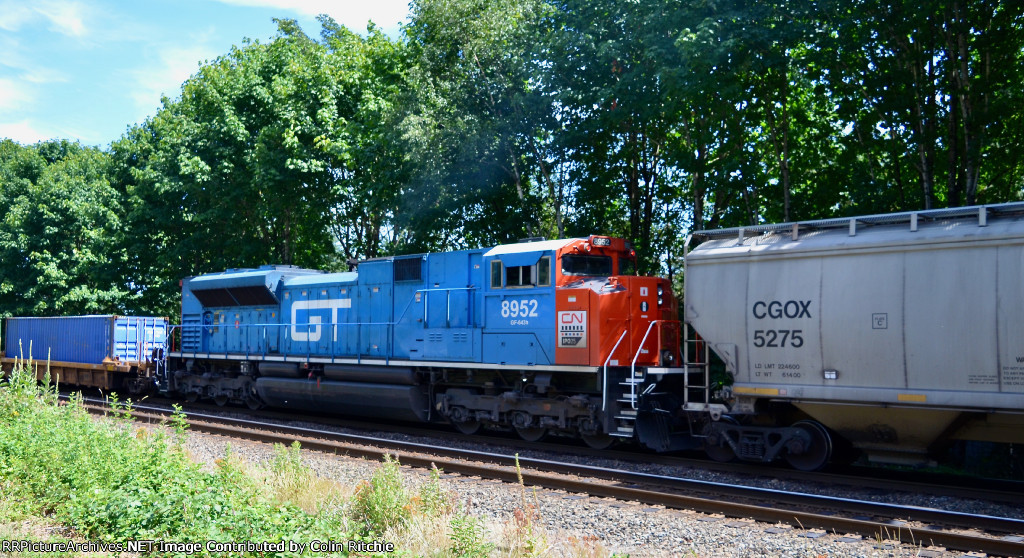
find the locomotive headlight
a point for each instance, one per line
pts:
(661, 290)
(660, 301)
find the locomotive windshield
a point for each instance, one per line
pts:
(591, 266)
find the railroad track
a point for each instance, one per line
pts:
(1000, 536)
(883, 481)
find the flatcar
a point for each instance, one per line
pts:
(113, 353)
(543, 337)
(894, 333)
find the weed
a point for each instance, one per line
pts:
(179, 423)
(382, 502)
(433, 498)
(110, 483)
(525, 538)
(292, 483)
(467, 538)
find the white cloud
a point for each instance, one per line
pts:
(13, 15)
(173, 67)
(65, 16)
(13, 95)
(22, 132)
(44, 75)
(352, 14)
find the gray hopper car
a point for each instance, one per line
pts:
(897, 332)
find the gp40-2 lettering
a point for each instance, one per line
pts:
(519, 308)
(779, 338)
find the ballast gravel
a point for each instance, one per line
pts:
(622, 528)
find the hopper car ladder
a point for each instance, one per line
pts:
(698, 362)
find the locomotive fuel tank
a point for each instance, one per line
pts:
(897, 332)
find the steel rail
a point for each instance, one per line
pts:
(628, 486)
(1008, 492)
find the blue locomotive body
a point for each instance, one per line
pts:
(434, 307)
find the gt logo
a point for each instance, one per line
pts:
(313, 332)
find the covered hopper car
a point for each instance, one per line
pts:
(895, 333)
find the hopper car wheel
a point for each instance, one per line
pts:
(721, 453)
(818, 454)
(221, 400)
(531, 433)
(598, 441)
(468, 427)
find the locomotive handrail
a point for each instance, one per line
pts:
(604, 380)
(909, 217)
(448, 304)
(639, 349)
(247, 349)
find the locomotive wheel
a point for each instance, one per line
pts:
(818, 454)
(598, 441)
(191, 397)
(531, 433)
(469, 427)
(721, 453)
(253, 403)
(221, 400)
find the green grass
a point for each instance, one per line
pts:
(111, 481)
(68, 476)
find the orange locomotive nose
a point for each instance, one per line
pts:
(605, 316)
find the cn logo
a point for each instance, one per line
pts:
(572, 317)
(572, 329)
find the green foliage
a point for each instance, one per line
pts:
(468, 538)
(111, 481)
(382, 502)
(61, 232)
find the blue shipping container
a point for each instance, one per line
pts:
(85, 339)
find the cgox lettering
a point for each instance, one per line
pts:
(776, 309)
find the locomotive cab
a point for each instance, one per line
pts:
(579, 301)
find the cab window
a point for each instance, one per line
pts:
(536, 275)
(544, 272)
(519, 276)
(590, 266)
(627, 266)
(496, 275)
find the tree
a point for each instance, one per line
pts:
(242, 170)
(60, 236)
(476, 126)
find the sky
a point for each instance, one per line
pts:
(88, 70)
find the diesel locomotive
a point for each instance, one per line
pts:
(543, 337)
